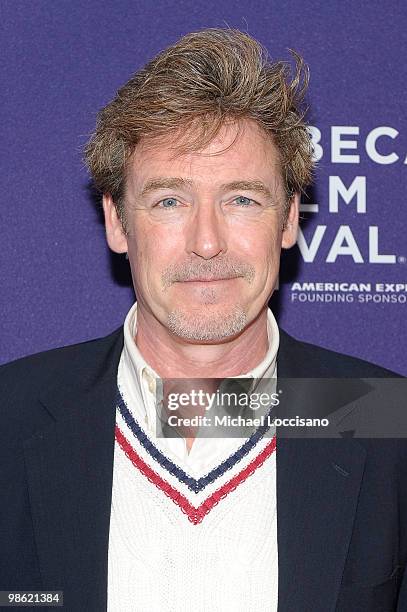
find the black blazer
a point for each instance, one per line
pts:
(341, 502)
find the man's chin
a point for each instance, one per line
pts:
(207, 324)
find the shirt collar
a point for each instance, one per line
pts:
(136, 373)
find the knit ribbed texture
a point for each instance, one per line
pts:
(162, 560)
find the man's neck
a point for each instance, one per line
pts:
(173, 357)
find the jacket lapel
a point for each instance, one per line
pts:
(69, 472)
(318, 482)
(317, 489)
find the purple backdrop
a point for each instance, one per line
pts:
(62, 61)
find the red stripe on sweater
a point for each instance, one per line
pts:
(195, 515)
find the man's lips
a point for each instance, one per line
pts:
(207, 279)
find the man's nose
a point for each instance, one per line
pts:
(206, 231)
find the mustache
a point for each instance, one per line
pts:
(211, 269)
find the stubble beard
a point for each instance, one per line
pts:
(207, 324)
(210, 321)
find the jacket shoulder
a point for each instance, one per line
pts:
(33, 370)
(303, 359)
(77, 365)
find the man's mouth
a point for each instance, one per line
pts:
(207, 279)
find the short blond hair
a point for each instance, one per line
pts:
(200, 82)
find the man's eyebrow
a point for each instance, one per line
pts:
(257, 186)
(163, 182)
(179, 182)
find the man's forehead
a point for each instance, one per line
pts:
(241, 152)
(196, 132)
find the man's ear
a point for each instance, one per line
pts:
(290, 228)
(115, 236)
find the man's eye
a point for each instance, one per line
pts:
(243, 201)
(168, 203)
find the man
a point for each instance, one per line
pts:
(200, 158)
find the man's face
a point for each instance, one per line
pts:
(205, 231)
